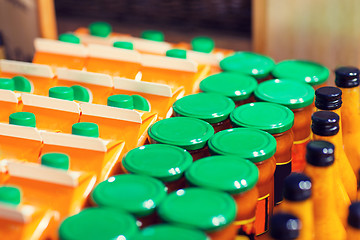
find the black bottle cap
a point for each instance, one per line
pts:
(325, 123)
(354, 215)
(320, 153)
(284, 226)
(347, 77)
(328, 98)
(297, 187)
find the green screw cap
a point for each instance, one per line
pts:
(176, 53)
(86, 129)
(70, 38)
(290, 93)
(98, 223)
(100, 29)
(269, 117)
(121, 101)
(123, 44)
(185, 132)
(7, 84)
(10, 195)
(233, 174)
(210, 107)
(173, 232)
(236, 86)
(26, 119)
(153, 35)
(22, 84)
(140, 103)
(136, 194)
(80, 93)
(165, 162)
(253, 64)
(56, 160)
(249, 143)
(199, 208)
(202, 44)
(304, 71)
(65, 93)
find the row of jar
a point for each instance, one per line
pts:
(218, 195)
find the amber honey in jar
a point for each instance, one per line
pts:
(188, 133)
(235, 176)
(164, 162)
(259, 147)
(298, 97)
(210, 107)
(278, 121)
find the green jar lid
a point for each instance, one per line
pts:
(173, 232)
(124, 45)
(202, 44)
(304, 71)
(233, 174)
(26, 119)
(22, 84)
(184, 132)
(162, 161)
(7, 84)
(236, 86)
(99, 223)
(199, 208)
(176, 53)
(153, 35)
(10, 195)
(100, 29)
(269, 117)
(256, 65)
(292, 94)
(69, 38)
(136, 194)
(210, 107)
(56, 160)
(65, 93)
(86, 129)
(121, 101)
(80, 93)
(249, 143)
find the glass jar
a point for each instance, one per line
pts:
(210, 211)
(239, 87)
(136, 194)
(188, 133)
(259, 147)
(249, 63)
(278, 121)
(164, 162)
(308, 72)
(298, 97)
(210, 107)
(235, 176)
